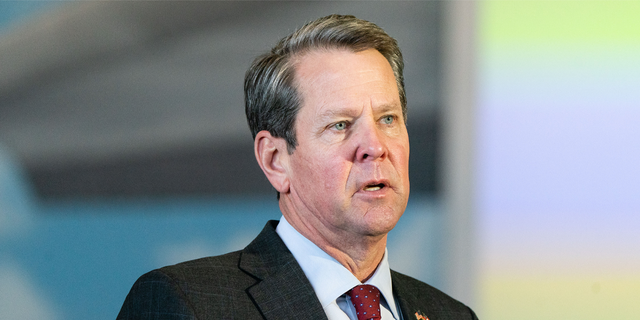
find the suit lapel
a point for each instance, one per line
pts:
(409, 304)
(407, 308)
(418, 300)
(282, 290)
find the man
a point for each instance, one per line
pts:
(327, 110)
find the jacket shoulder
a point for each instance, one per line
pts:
(206, 288)
(153, 296)
(204, 269)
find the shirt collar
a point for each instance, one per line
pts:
(328, 277)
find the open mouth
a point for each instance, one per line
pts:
(374, 187)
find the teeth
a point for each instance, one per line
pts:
(372, 188)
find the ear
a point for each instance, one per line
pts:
(271, 153)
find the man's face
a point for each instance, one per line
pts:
(349, 173)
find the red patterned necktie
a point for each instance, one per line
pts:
(366, 299)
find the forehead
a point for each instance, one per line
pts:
(327, 79)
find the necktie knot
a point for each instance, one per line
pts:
(366, 299)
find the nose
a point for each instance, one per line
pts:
(370, 144)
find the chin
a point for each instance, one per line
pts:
(380, 221)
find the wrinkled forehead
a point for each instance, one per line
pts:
(338, 74)
(337, 83)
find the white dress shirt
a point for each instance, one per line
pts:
(331, 280)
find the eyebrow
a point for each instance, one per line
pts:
(389, 107)
(346, 112)
(337, 113)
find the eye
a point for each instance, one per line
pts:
(388, 119)
(340, 125)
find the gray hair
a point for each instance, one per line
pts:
(271, 99)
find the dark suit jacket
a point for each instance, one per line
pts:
(263, 281)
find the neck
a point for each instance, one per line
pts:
(360, 254)
(361, 260)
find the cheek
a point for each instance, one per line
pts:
(401, 159)
(324, 171)
(317, 172)
(333, 174)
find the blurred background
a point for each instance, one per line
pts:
(123, 148)
(557, 153)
